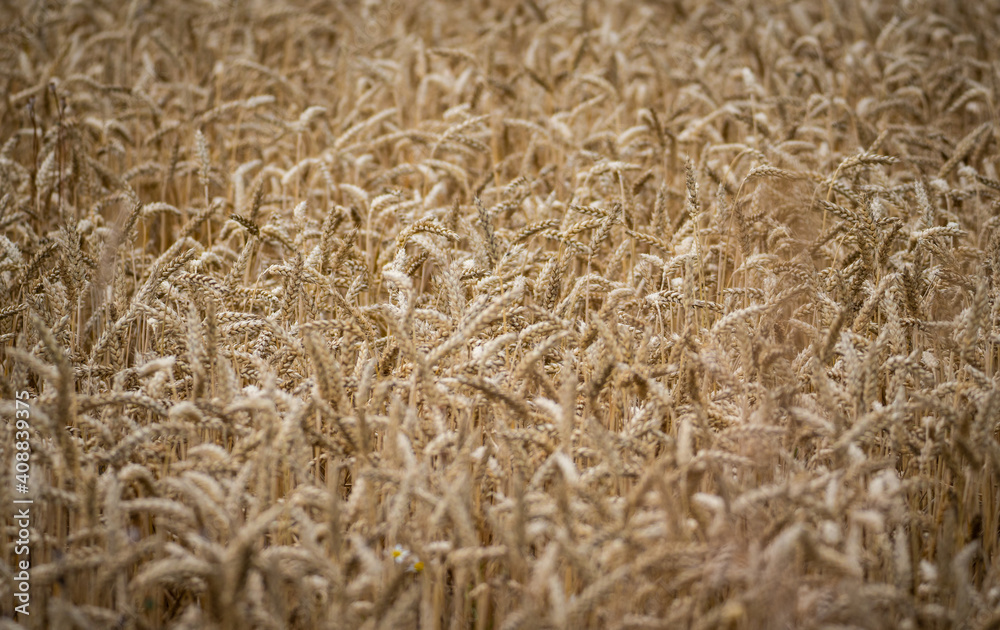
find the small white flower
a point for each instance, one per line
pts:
(399, 554)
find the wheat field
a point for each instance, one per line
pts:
(501, 314)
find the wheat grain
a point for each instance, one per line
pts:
(475, 345)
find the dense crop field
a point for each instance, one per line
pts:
(497, 315)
